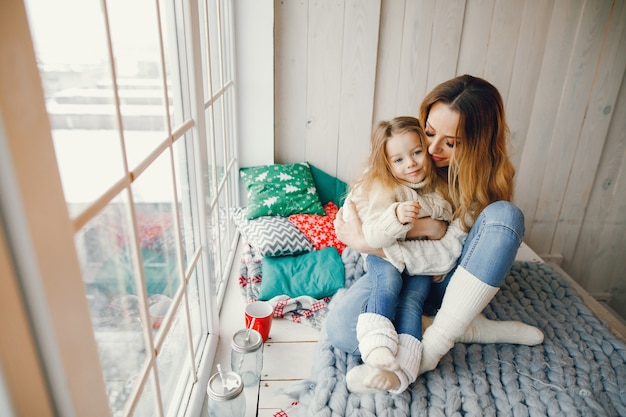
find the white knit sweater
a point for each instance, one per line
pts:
(381, 228)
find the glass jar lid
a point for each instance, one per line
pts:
(224, 386)
(246, 340)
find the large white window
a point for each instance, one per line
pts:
(140, 96)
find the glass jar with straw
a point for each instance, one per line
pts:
(226, 396)
(246, 356)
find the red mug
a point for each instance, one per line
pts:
(259, 317)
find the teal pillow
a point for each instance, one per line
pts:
(317, 274)
(329, 188)
(281, 190)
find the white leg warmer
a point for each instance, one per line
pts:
(409, 357)
(375, 331)
(465, 297)
(365, 379)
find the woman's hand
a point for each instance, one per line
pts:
(349, 229)
(427, 228)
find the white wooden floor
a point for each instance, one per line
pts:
(287, 356)
(289, 352)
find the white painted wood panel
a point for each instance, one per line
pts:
(358, 78)
(288, 361)
(290, 73)
(475, 37)
(325, 53)
(609, 73)
(599, 256)
(388, 79)
(558, 64)
(565, 138)
(415, 46)
(445, 43)
(534, 158)
(503, 40)
(529, 52)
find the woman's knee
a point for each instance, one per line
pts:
(506, 214)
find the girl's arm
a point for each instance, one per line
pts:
(350, 232)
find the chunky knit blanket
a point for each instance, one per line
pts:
(579, 370)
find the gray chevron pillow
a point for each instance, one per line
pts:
(271, 235)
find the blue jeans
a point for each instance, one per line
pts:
(395, 295)
(488, 254)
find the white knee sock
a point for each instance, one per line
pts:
(483, 330)
(465, 297)
(378, 341)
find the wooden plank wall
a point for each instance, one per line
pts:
(340, 65)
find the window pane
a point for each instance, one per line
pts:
(153, 195)
(135, 42)
(227, 41)
(174, 363)
(186, 201)
(219, 138)
(146, 407)
(105, 253)
(73, 59)
(214, 46)
(195, 311)
(229, 121)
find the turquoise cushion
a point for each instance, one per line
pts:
(329, 188)
(317, 274)
(281, 190)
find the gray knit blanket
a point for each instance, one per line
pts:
(579, 370)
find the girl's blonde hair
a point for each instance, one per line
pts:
(378, 167)
(480, 171)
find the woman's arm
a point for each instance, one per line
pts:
(427, 228)
(350, 231)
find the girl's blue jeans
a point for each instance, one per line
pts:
(488, 253)
(397, 296)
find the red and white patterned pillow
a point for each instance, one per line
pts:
(320, 229)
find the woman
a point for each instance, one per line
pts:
(467, 132)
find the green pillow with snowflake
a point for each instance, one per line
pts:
(281, 190)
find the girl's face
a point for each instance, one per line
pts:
(406, 157)
(441, 133)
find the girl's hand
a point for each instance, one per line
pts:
(427, 228)
(408, 211)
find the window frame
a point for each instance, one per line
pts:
(42, 251)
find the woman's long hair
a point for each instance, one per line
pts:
(378, 167)
(480, 171)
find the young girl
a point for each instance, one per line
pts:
(399, 186)
(466, 128)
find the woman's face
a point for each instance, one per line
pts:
(441, 130)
